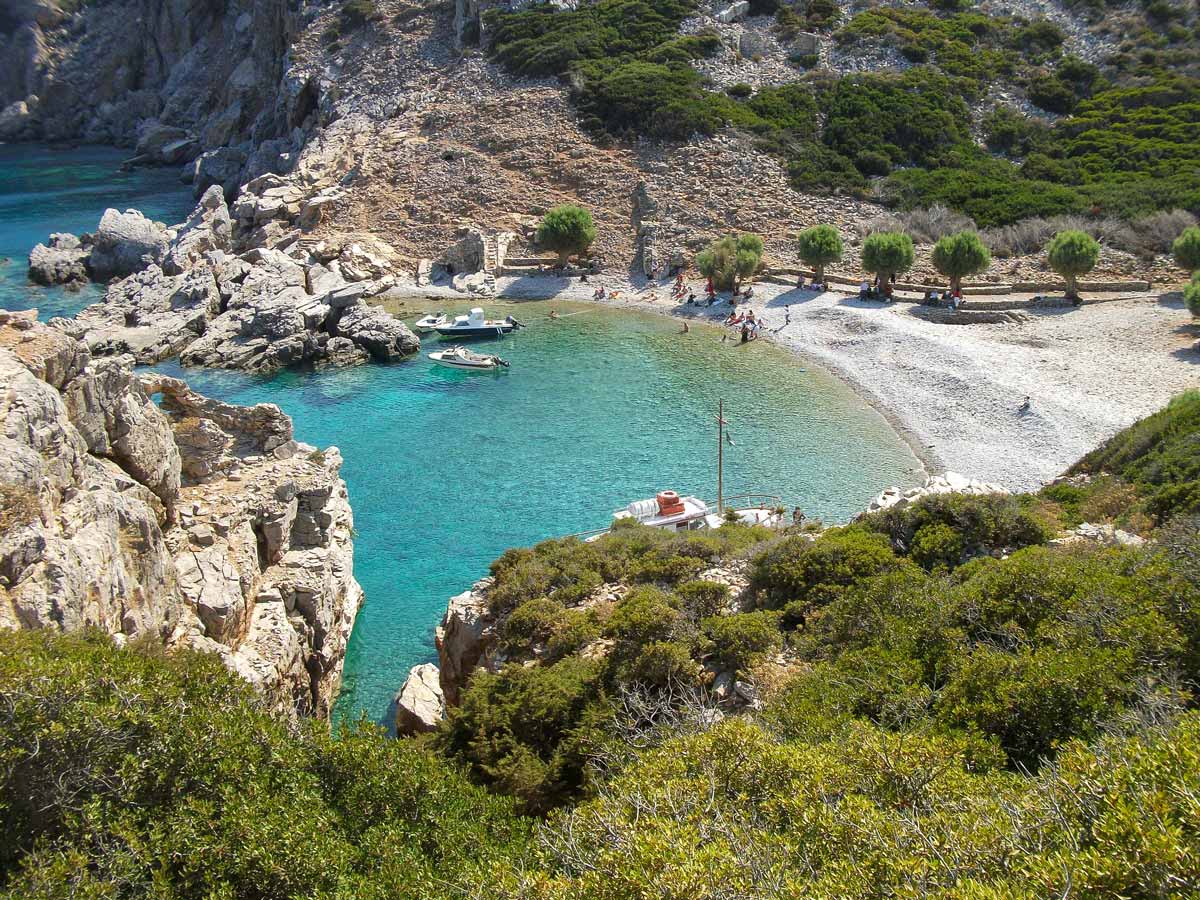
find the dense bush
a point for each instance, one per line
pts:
(741, 640)
(1186, 249)
(730, 259)
(566, 230)
(981, 525)
(128, 773)
(1159, 455)
(1071, 254)
(959, 255)
(887, 253)
(819, 246)
(1191, 295)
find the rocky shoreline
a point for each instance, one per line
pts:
(192, 524)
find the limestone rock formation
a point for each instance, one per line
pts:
(465, 638)
(194, 523)
(192, 294)
(420, 705)
(946, 483)
(62, 261)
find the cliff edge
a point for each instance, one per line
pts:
(189, 523)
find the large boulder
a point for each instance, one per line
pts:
(465, 638)
(420, 705)
(63, 261)
(125, 243)
(385, 337)
(208, 229)
(222, 166)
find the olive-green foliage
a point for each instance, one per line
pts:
(1159, 455)
(528, 729)
(981, 525)
(887, 253)
(130, 773)
(959, 255)
(819, 246)
(644, 616)
(878, 815)
(730, 259)
(1191, 295)
(1071, 254)
(359, 12)
(566, 230)
(1186, 249)
(741, 640)
(701, 599)
(798, 574)
(660, 664)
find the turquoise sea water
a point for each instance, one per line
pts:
(43, 190)
(446, 469)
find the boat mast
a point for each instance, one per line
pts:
(720, 456)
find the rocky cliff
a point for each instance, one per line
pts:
(174, 79)
(190, 523)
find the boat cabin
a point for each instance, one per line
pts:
(670, 511)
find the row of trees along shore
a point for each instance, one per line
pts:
(569, 230)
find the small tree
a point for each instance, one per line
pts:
(1186, 249)
(730, 259)
(820, 246)
(959, 255)
(1071, 254)
(1191, 295)
(566, 230)
(887, 253)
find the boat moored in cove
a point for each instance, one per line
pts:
(431, 322)
(474, 324)
(462, 358)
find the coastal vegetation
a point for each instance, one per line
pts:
(1119, 138)
(819, 246)
(933, 676)
(887, 253)
(728, 260)
(959, 255)
(566, 230)
(1071, 254)
(956, 697)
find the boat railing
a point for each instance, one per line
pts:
(737, 501)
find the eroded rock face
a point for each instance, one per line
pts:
(464, 638)
(194, 523)
(194, 297)
(126, 243)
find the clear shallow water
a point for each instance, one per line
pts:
(43, 190)
(446, 469)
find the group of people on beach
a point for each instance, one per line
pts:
(751, 325)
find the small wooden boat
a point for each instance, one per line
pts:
(431, 322)
(462, 358)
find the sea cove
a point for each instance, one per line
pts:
(447, 469)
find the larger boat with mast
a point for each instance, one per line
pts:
(671, 511)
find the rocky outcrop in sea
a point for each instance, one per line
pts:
(190, 523)
(196, 291)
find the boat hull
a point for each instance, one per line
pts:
(476, 331)
(466, 365)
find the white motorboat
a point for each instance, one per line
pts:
(431, 322)
(462, 358)
(474, 324)
(670, 511)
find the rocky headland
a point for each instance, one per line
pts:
(186, 523)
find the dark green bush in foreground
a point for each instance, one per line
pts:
(125, 773)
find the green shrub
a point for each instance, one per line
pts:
(810, 573)
(730, 259)
(819, 246)
(959, 255)
(644, 616)
(739, 641)
(740, 91)
(887, 253)
(1071, 254)
(528, 729)
(1052, 94)
(937, 545)
(1008, 131)
(701, 599)
(532, 621)
(1186, 249)
(661, 664)
(1191, 295)
(983, 524)
(134, 773)
(566, 230)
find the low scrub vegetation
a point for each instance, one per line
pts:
(950, 705)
